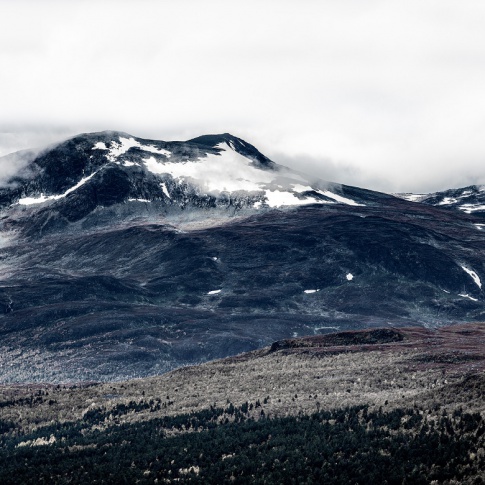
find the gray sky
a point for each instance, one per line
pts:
(388, 94)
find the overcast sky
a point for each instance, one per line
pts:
(389, 95)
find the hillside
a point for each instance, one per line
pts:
(425, 385)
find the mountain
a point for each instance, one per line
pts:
(82, 177)
(123, 257)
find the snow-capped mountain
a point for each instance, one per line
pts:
(470, 200)
(216, 172)
(127, 257)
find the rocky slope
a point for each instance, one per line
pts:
(124, 257)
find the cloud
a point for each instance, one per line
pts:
(15, 165)
(19, 145)
(327, 170)
(395, 90)
(28, 137)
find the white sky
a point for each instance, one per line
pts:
(384, 94)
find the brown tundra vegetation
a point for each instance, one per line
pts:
(388, 368)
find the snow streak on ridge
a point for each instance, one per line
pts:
(43, 198)
(474, 276)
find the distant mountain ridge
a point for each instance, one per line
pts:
(123, 257)
(470, 199)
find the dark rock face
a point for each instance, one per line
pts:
(124, 271)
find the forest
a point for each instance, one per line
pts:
(353, 445)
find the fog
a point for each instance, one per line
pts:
(388, 95)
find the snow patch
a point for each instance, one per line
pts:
(339, 198)
(100, 146)
(120, 147)
(466, 295)
(35, 200)
(116, 149)
(454, 200)
(448, 200)
(311, 291)
(138, 200)
(301, 188)
(227, 171)
(474, 276)
(469, 208)
(213, 292)
(165, 190)
(349, 276)
(152, 149)
(479, 226)
(277, 198)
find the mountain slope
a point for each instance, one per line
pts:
(124, 257)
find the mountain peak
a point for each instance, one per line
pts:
(238, 145)
(216, 139)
